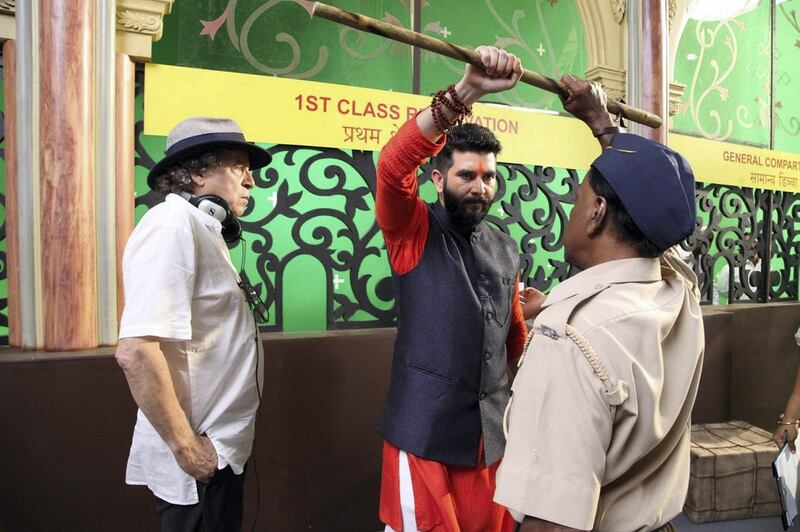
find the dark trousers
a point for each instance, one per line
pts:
(218, 510)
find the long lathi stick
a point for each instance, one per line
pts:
(461, 53)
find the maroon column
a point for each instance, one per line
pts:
(653, 66)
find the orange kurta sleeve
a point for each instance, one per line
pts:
(401, 214)
(517, 332)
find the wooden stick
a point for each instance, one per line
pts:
(461, 53)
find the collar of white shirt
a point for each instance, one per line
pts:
(209, 221)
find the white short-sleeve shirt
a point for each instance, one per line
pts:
(181, 287)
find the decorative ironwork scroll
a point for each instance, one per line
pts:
(733, 239)
(785, 229)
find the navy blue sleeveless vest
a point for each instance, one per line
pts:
(449, 381)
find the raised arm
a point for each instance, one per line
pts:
(501, 71)
(587, 101)
(400, 214)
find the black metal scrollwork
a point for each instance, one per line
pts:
(733, 247)
(785, 231)
(544, 224)
(323, 176)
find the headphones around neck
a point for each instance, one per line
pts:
(218, 208)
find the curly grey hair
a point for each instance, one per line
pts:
(178, 178)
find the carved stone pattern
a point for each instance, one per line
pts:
(139, 22)
(676, 91)
(614, 93)
(672, 7)
(618, 6)
(611, 79)
(8, 6)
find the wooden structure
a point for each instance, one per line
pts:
(69, 89)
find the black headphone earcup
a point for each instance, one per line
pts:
(232, 231)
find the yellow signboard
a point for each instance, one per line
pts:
(307, 113)
(738, 165)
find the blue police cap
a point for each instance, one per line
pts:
(654, 183)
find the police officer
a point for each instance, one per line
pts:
(598, 424)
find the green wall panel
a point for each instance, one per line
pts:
(278, 38)
(547, 35)
(787, 77)
(726, 68)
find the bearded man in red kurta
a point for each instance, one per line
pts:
(459, 319)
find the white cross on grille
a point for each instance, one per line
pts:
(337, 281)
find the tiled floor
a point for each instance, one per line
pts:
(764, 524)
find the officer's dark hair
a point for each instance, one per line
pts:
(616, 212)
(466, 137)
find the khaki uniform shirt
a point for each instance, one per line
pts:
(599, 421)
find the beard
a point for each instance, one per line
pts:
(463, 211)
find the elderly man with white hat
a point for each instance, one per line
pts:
(599, 420)
(188, 342)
